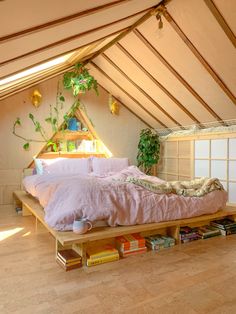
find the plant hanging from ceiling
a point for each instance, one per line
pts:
(53, 119)
(79, 80)
(148, 150)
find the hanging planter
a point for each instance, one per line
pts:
(79, 80)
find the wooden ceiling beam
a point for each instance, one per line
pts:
(197, 54)
(142, 91)
(71, 38)
(127, 94)
(155, 81)
(64, 53)
(118, 100)
(62, 20)
(177, 76)
(129, 29)
(222, 22)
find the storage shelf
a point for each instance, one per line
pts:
(49, 155)
(73, 135)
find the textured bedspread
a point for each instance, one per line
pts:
(65, 198)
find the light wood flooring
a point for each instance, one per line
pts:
(198, 277)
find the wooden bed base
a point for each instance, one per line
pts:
(68, 239)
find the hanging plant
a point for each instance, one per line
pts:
(52, 119)
(148, 150)
(79, 80)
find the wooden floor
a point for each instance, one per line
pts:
(198, 277)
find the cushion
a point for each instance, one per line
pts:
(63, 166)
(103, 166)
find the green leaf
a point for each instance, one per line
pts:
(62, 98)
(17, 122)
(31, 116)
(26, 146)
(49, 119)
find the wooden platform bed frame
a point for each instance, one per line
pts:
(68, 239)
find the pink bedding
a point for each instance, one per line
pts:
(65, 198)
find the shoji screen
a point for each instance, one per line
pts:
(217, 158)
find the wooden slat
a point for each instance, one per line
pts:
(134, 113)
(140, 89)
(62, 20)
(177, 75)
(222, 22)
(71, 38)
(130, 96)
(197, 54)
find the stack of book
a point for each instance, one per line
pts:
(188, 234)
(158, 242)
(208, 231)
(131, 244)
(69, 259)
(226, 226)
(101, 254)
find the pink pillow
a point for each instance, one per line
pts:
(102, 166)
(66, 166)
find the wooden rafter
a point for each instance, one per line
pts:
(154, 80)
(126, 32)
(62, 20)
(142, 91)
(127, 94)
(71, 38)
(177, 75)
(222, 22)
(197, 54)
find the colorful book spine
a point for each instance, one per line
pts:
(102, 253)
(105, 259)
(129, 241)
(68, 267)
(133, 252)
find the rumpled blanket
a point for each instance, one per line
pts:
(197, 187)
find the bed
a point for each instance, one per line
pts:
(97, 189)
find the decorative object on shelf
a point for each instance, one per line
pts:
(79, 80)
(36, 98)
(72, 124)
(113, 105)
(148, 150)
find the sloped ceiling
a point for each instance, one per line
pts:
(181, 74)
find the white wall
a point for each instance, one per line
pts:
(119, 133)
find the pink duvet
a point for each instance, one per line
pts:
(65, 198)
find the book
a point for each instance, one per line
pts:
(101, 260)
(228, 231)
(129, 241)
(68, 256)
(207, 231)
(68, 263)
(66, 268)
(101, 251)
(133, 252)
(225, 223)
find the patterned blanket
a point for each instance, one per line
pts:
(197, 187)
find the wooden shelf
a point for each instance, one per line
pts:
(50, 155)
(73, 135)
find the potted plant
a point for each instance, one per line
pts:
(79, 80)
(148, 150)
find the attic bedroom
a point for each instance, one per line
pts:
(118, 159)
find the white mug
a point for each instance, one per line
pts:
(82, 225)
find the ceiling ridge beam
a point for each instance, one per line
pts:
(127, 94)
(71, 38)
(60, 21)
(197, 54)
(142, 91)
(177, 75)
(221, 21)
(130, 110)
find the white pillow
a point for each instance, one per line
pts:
(63, 166)
(102, 166)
